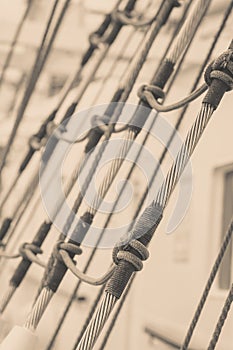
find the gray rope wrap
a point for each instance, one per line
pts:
(129, 263)
(119, 254)
(219, 77)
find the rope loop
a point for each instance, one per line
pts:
(100, 122)
(156, 91)
(28, 251)
(63, 252)
(69, 248)
(130, 256)
(222, 69)
(150, 94)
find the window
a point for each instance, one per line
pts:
(226, 270)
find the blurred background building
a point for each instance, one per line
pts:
(165, 294)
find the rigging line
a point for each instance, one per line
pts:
(6, 222)
(32, 317)
(221, 321)
(227, 239)
(42, 133)
(123, 93)
(149, 221)
(178, 123)
(34, 75)
(18, 30)
(47, 224)
(80, 231)
(125, 148)
(74, 293)
(132, 168)
(106, 224)
(49, 283)
(36, 176)
(115, 316)
(65, 256)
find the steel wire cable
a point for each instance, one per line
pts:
(147, 223)
(152, 32)
(88, 79)
(58, 206)
(228, 236)
(38, 66)
(69, 85)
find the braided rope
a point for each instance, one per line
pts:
(190, 26)
(69, 187)
(112, 172)
(90, 315)
(184, 154)
(222, 319)
(164, 194)
(97, 323)
(37, 312)
(116, 314)
(178, 123)
(207, 288)
(126, 87)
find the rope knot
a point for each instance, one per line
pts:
(222, 69)
(28, 251)
(134, 252)
(70, 248)
(155, 90)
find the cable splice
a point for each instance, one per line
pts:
(124, 270)
(229, 233)
(170, 4)
(143, 230)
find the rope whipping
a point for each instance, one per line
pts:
(35, 141)
(41, 235)
(80, 231)
(74, 293)
(145, 193)
(148, 222)
(56, 267)
(38, 139)
(178, 123)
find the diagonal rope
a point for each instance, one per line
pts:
(148, 222)
(18, 30)
(221, 321)
(54, 264)
(38, 65)
(45, 227)
(178, 123)
(204, 296)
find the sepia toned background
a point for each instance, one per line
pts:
(165, 294)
